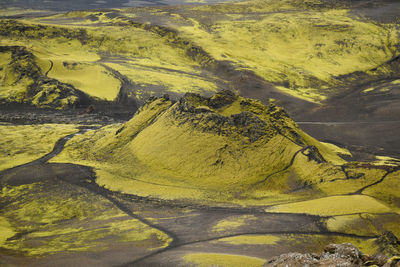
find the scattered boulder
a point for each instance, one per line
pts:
(221, 99)
(389, 243)
(313, 154)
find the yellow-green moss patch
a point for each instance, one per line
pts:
(360, 224)
(191, 149)
(24, 143)
(53, 219)
(387, 190)
(337, 149)
(232, 223)
(92, 79)
(6, 231)
(358, 178)
(303, 51)
(251, 240)
(335, 205)
(225, 260)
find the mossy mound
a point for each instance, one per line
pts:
(22, 81)
(225, 147)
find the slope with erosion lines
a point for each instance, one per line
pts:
(305, 49)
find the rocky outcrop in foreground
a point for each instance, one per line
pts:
(334, 255)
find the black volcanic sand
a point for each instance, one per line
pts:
(366, 123)
(363, 139)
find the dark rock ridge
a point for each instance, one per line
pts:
(18, 29)
(250, 118)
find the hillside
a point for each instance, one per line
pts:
(229, 151)
(225, 148)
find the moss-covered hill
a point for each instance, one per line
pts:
(224, 148)
(227, 150)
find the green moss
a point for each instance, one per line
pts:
(93, 58)
(199, 149)
(386, 161)
(90, 78)
(329, 152)
(357, 179)
(24, 143)
(199, 146)
(387, 190)
(23, 80)
(336, 149)
(302, 243)
(13, 83)
(13, 191)
(147, 76)
(251, 240)
(334, 205)
(312, 243)
(226, 260)
(303, 52)
(360, 224)
(116, 180)
(365, 224)
(63, 220)
(308, 52)
(6, 231)
(232, 223)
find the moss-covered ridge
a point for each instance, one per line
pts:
(23, 81)
(224, 147)
(111, 61)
